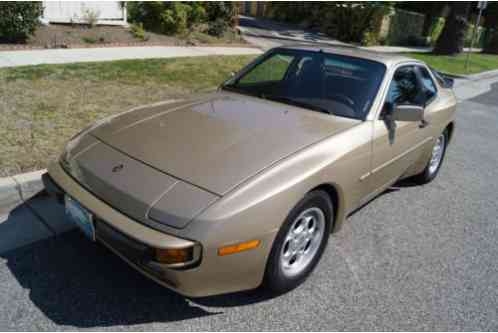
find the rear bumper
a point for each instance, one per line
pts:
(126, 238)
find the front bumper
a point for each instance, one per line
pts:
(129, 239)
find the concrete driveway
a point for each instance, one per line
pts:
(415, 258)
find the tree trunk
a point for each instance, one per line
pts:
(492, 44)
(451, 40)
(491, 25)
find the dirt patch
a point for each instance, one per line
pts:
(78, 36)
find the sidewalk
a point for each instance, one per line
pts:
(63, 56)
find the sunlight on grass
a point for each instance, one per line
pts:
(456, 64)
(42, 106)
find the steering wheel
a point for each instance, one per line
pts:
(343, 98)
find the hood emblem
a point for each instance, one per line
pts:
(118, 168)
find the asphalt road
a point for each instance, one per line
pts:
(415, 258)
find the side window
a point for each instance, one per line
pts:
(428, 83)
(272, 69)
(404, 88)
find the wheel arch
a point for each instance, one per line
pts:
(450, 127)
(337, 198)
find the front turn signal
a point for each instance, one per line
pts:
(231, 249)
(174, 256)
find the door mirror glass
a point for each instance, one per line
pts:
(408, 113)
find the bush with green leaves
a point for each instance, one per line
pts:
(175, 19)
(137, 30)
(217, 28)
(18, 20)
(347, 21)
(179, 17)
(221, 11)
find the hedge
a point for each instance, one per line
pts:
(18, 20)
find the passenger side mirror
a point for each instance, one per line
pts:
(408, 113)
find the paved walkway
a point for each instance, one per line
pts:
(62, 56)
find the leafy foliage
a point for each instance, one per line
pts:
(18, 20)
(347, 21)
(137, 30)
(217, 27)
(175, 19)
(179, 17)
(221, 10)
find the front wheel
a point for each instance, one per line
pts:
(432, 168)
(300, 243)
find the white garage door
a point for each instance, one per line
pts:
(109, 12)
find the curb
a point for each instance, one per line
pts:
(13, 47)
(484, 75)
(18, 189)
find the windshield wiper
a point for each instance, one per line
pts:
(291, 101)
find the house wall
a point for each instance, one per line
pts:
(110, 12)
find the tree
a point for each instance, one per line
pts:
(491, 25)
(452, 38)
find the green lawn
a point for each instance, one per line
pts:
(42, 106)
(456, 65)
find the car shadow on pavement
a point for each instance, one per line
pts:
(79, 283)
(82, 284)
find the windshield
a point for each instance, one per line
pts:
(340, 85)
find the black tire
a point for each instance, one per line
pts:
(426, 176)
(275, 280)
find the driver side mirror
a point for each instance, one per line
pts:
(408, 113)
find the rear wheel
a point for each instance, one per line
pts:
(432, 168)
(300, 243)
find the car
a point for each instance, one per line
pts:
(241, 187)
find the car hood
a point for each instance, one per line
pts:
(218, 141)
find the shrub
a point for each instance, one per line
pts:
(369, 39)
(90, 16)
(18, 20)
(93, 40)
(168, 17)
(137, 30)
(346, 21)
(175, 18)
(197, 13)
(221, 11)
(217, 28)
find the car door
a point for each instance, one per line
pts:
(398, 144)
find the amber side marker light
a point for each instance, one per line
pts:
(231, 249)
(174, 256)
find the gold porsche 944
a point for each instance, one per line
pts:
(242, 187)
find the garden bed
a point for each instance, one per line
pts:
(77, 36)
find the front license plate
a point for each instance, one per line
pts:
(80, 216)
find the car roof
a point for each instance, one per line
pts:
(388, 59)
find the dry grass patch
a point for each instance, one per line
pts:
(43, 106)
